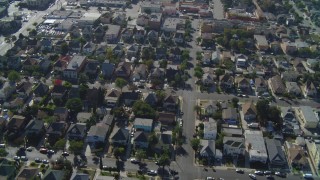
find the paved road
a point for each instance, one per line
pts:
(218, 9)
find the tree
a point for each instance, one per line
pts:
(13, 76)
(21, 36)
(219, 72)
(120, 83)
(119, 151)
(75, 105)
(235, 102)
(195, 144)
(164, 160)
(262, 107)
(64, 48)
(76, 147)
(143, 110)
(140, 155)
(274, 115)
(153, 139)
(147, 11)
(60, 144)
(161, 94)
(3, 152)
(83, 78)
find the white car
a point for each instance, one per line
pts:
(45, 161)
(258, 172)
(134, 160)
(24, 158)
(209, 178)
(252, 176)
(152, 172)
(180, 123)
(17, 158)
(29, 149)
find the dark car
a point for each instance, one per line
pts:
(281, 174)
(240, 171)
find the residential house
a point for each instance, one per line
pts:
(234, 146)
(127, 34)
(140, 139)
(107, 69)
(132, 51)
(226, 81)
(61, 113)
(74, 46)
(140, 73)
(298, 65)
(210, 129)
(7, 170)
(291, 124)
(6, 90)
(92, 67)
(119, 18)
(241, 61)
(293, 88)
(150, 98)
(313, 148)
(309, 89)
(80, 176)
(209, 108)
(166, 119)
(288, 47)
(143, 124)
(143, 19)
(108, 119)
(290, 76)
(88, 48)
(129, 98)
(24, 89)
(83, 117)
(44, 65)
(165, 36)
(152, 36)
(56, 130)
(97, 133)
(208, 79)
(215, 57)
(112, 34)
(164, 142)
(139, 35)
(232, 131)
(75, 66)
(255, 146)
(99, 33)
(261, 85)
(249, 111)
(35, 128)
(30, 63)
(170, 102)
(117, 50)
(276, 155)
(208, 149)
(296, 156)
(77, 131)
(277, 86)
(157, 74)
(175, 54)
(178, 37)
(62, 63)
(261, 42)
(16, 124)
(101, 50)
(161, 53)
(242, 83)
(91, 97)
(46, 45)
(112, 97)
(53, 174)
(28, 173)
(230, 116)
(87, 32)
(123, 70)
(206, 57)
(307, 116)
(120, 136)
(150, 6)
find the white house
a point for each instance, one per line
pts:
(210, 129)
(6, 90)
(233, 146)
(255, 146)
(307, 117)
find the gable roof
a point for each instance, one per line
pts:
(81, 176)
(121, 135)
(78, 128)
(100, 130)
(166, 118)
(208, 147)
(143, 122)
(16, 121)
(235, 142)
(53, 175)
(249, 108)
(171, 99)
(41, 89)
(6, 170)
(56, 128)
(35, 125)
(27, 173)
(140, 136)
(275, 151)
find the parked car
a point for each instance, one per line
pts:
(43, 150)
(134, 161)
(152, 172)
(29, 149)
(209, 178)
(51, 151)
(267, 172)
(252, 176)
(258, 173)
(269, 177)
(2, 145)
(17, 158)
(37, 160)
(240, 171)
(65, 153)
(45, 161)
(281, 174)
(104, 167)
(24, 158)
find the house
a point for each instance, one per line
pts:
(99, 32)
(74, 46)
(164, 142)
(150, 98)
(91, 97)
(307, 116)
(143, 19)
(157, 73)
(129, 98)
(309, 89)
(28, 173)
(80, 176)
(75, 66)
(88, 48)
(255, 146)
(207, 149)
(313, 148)
(77, 131)
(152, 36)
(74, 92)
(230, 116)
(208, 79)
(112, 97)
(127, 34)
(261, 85)
(16, 124)
(249, 111)
(46, 45)
(178, 37)
(44, 65)
(112, 33)
(166, 119)
(123, 70)
(165, 36)
(35, 128)
(226, 81)
(140, 139)
(241, 61)
(161, 53)
(87, 32)
(92, 67)
(120, 136)
(24, 89)
(108, 119)
(6, 90)
(209, 108)
(170, 102)
(150, 6)
(7, 170)
(298, 65)
(140, 72)
(101, 49)
(276, 155)
(210, 129)
(143, 124)
(175, 53)
(277, 86)
(97, 133)
(53, 174)
(62, 63)
(132, 51)
(117, 50)
(119, 18)
(107, 69)
(232, 131)
(288, 47)
(242, 83)
(290, 76)
(139, 35)
(56, 130)
(296, 156)
(62, 113)
(30, 63)
(261, 42)
(233, 146)
(293, 88)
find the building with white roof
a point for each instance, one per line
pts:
(255, 146)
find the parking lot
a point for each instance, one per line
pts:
(48, 30)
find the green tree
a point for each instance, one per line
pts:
(140, 155)
(195, 144)
(13, 76)
(3, 152)
(120, 83)
(83, 78)
(153, 139)
(235, 102)
(119, 151)
(76, 147)
(60, 144)
(74, 105)
(161, 94)
(262, 107)
(164, 160)
(143, 110)
(64, 48)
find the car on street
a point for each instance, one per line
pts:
(65, 153)
(181, 113)
(51, 151)
(267, 172)
(45, 161)
(24, 158)
(29, 149)
(260, 173)
(43, 150)
(152, 172)
(280, 98)
(209, 178)
(269, 177)
(17, 158)
(157, 162)
(252, 176)
(37, 160)
(280, 174)
(104, 167)
(240, 171)
(134, 161)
